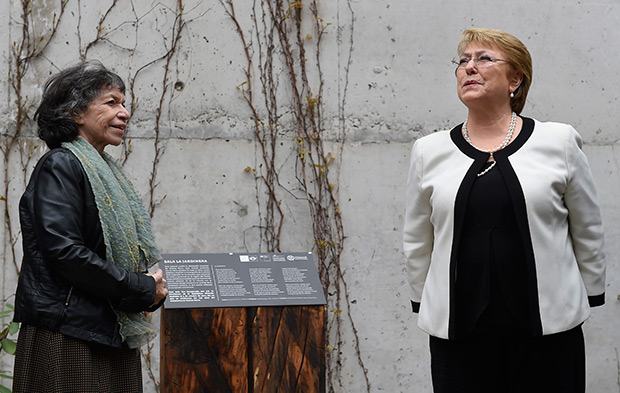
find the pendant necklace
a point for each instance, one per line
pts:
(513, 124)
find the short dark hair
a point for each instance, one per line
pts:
(69, 93)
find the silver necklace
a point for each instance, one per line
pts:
(511, 130)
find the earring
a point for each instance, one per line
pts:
(512, 95)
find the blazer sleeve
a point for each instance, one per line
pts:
(59, 219)
(585, 221)
(418, 230)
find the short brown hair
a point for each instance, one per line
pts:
(516, 53)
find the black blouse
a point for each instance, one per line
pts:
(491, 276)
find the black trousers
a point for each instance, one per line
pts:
(504, 364)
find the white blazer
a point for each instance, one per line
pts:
(555, 201)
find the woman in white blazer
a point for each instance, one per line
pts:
(503, 235)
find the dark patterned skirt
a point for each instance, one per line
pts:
(48, 362)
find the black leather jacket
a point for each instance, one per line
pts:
(65, 283)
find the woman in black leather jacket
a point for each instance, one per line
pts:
(84, 290)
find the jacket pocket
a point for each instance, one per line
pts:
(61, 319)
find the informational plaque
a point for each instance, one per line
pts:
(241, 280)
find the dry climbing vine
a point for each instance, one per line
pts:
(24, 51)
(271, 217)
(279, 42)
(179, 25)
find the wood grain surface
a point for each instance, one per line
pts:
(243, 350)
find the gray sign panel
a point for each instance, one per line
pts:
(241, 280)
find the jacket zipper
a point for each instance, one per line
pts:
(64, 310)
(69, 296)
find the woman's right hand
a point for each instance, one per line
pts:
(160, 286)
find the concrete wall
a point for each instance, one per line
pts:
(399, 85)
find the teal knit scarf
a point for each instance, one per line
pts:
(126, 226)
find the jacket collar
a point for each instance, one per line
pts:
(526, 131)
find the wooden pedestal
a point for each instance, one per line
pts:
(243, 350)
